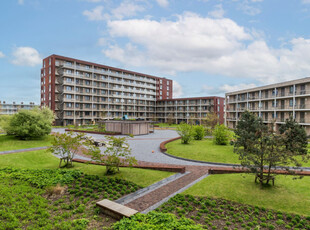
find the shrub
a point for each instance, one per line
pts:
(186, 133)
(221, 135)
(199, 132)
(156, 221)
(29, 124)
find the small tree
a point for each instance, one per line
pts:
(199, 132)
(211, 120)
(261, 150)
(67, 145)
(28, 124)
(186, 133)
(221, 135)
(170, 119)
(117, 154)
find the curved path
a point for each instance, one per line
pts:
(143, 146)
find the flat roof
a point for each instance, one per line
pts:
(190, 98)
(105, 66)
(275, 85)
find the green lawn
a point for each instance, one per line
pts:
(43, 159)
(12, 143)
(292, 196)
(206, 150)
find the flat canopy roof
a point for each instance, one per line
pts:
(122, 121)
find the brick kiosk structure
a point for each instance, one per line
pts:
(82, 92)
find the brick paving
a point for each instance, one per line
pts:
(161, 193)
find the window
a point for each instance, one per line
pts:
(87, 90)
(87, 82)
(68, 71)
(291, 102)
(69, 113)
(160, 81)
(168, 82)
(291, 89)
(69, 105)
(69, 88)
(68, 96)
(49, 70)
(68, 79)
(161, 87)
(168, 88)
(87, 98)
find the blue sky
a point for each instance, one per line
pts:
(208, 47)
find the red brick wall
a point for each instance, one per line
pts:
(48, 102)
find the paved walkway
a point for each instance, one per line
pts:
(22, 150)
(143, 146)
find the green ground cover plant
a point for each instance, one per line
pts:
(288, 195)
(224, 214)
(43, 159)
(25, 202)
(206, 150)
(156, 221)
(12, 143)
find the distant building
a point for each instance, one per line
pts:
(8, 109)
(81, 92)
(273, 103)
(185, 109)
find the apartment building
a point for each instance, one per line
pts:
(12, 108)
(273, 103)
(189, 109)
(81, 92)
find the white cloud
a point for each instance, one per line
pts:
(215, 46)
(249, 9)
(102, 41)
(2, 55)
(163, 3)
(94, 14)
(20, 2)
(305, 1)
(225, 88)
(26, 56)
(126, 9)
(177, 90)
(218, 12)
(231, 88)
